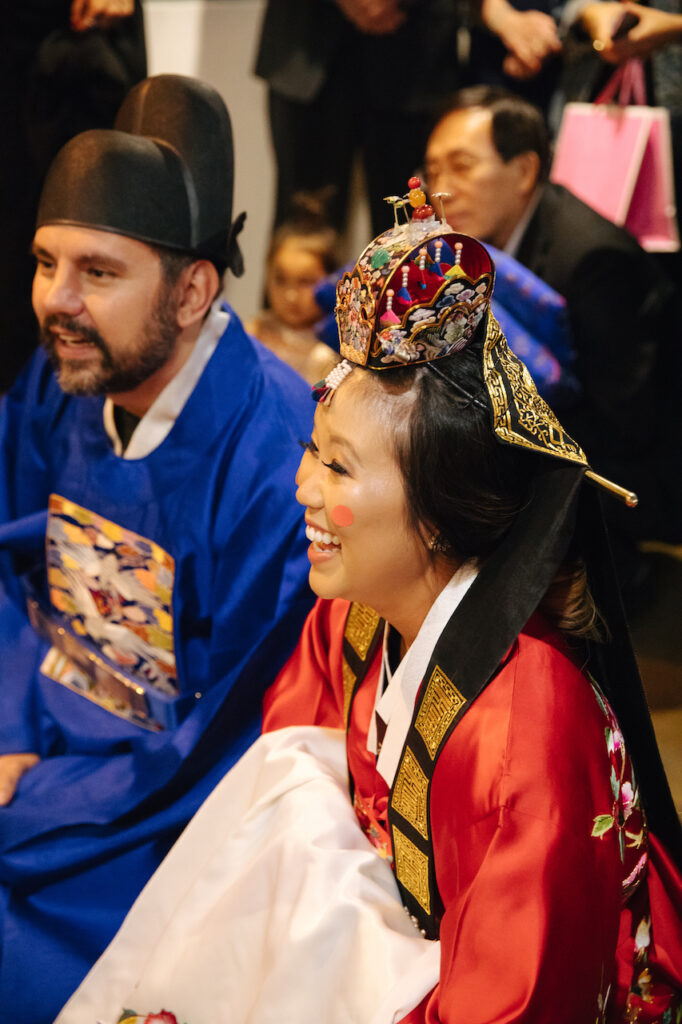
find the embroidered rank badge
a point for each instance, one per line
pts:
(115, 590)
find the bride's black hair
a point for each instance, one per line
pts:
(463, 486)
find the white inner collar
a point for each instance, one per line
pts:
(395, 703)
(512, 246)
(157, 422)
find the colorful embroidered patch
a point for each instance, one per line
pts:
(115, 589)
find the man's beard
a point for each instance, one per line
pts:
(114, 374)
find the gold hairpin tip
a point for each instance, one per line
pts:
(628, 497)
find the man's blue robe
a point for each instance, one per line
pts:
(91, 821)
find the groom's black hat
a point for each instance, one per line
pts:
(164, 174)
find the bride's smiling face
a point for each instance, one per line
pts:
(363, 547)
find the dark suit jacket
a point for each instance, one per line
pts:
(410, 69)
(623, 320)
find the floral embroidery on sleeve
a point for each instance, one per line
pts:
(648, 1001)
(625, 815)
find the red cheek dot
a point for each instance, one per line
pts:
(342, 516)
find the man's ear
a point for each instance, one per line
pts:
(197, 287)
(528, 171)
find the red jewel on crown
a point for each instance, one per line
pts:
(416, 197)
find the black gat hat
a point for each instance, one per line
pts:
(163, 175)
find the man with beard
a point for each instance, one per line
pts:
(153, 574)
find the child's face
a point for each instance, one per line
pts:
(292, 276)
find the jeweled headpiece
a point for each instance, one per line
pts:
(418, 293)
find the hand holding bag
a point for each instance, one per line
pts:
(616, 155)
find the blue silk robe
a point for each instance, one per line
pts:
(213, 507)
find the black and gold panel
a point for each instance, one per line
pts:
(411, 793)
(441, 704)
(361, 627)
(412, 867)
(436, 713)
(520, 416)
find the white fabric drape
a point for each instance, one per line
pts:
(271, 907)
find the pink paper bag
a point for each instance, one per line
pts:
(618, 159)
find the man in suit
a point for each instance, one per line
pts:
(490, 151)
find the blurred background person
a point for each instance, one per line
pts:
(654, 30)
(515, 45)
(333, 90)
(359, 75)
(66, 66)
(303, 251)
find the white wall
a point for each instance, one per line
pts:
(216, 40)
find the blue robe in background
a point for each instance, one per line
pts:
(214, 507)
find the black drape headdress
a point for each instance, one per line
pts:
(163, 175)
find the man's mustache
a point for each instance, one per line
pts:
(88, 334)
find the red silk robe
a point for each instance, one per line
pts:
(558, 909)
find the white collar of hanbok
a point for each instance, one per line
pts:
(397, 692)
(157, 422)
